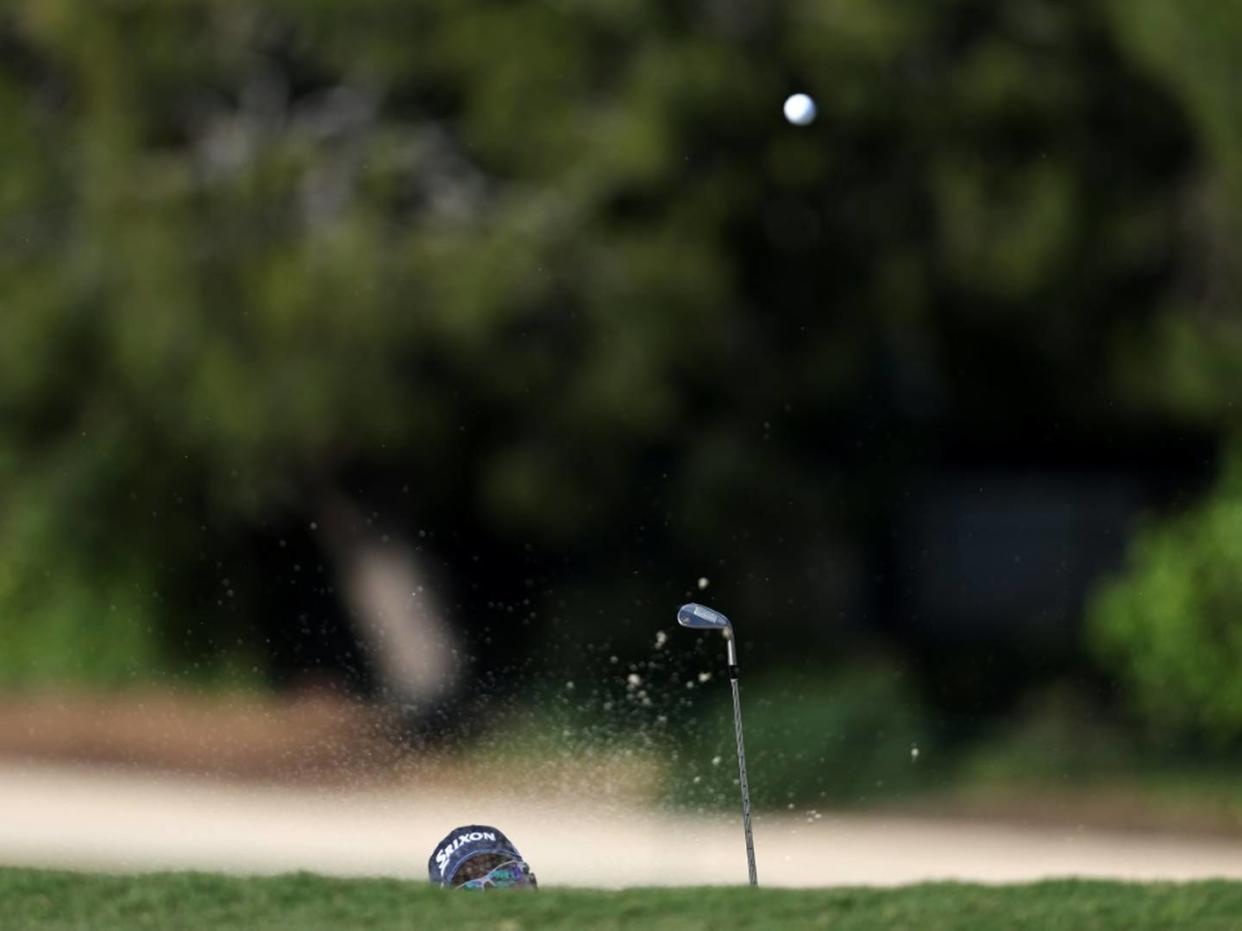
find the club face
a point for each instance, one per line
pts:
(701, 617)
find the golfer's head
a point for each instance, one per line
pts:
(477, 856)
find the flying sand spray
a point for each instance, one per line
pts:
(701, 617)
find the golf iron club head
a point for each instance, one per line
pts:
(701, 617)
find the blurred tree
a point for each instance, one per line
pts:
(553, 282)
(1170, 626)
(1189, 357)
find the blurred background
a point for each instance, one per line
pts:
(377, 378)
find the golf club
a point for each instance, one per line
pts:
(701, 617)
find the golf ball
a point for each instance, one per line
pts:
(799, 109)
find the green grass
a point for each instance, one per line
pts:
(33, 900)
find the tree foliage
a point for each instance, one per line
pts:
(1170, 625)
(557, 279)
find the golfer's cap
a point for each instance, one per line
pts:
(463, 843)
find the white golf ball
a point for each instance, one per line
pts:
(799, 109)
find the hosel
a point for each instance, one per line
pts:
(731, 651)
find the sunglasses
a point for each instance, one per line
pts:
(512, 874)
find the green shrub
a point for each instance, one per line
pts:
(81, 604)
(1170, 626)
(1058, 736)
(848, 739)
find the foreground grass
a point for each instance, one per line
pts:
(33, 900)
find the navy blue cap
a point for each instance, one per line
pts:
(463, 843)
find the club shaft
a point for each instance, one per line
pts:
(741, 768)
